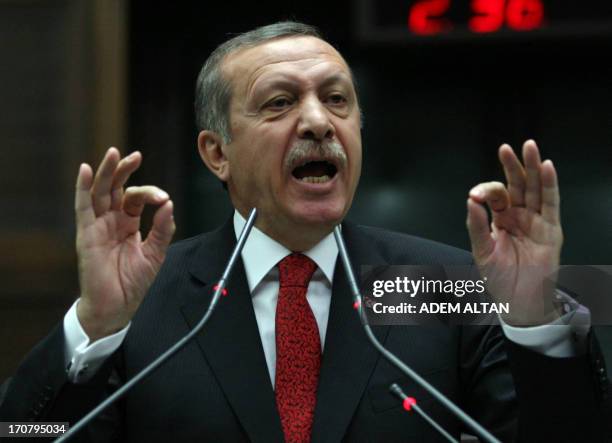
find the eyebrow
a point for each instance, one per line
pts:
(338, 77)
(289, 84)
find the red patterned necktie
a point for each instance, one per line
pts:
(298, 349)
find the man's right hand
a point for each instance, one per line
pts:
(116, 268)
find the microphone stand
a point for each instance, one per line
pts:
(219, 289)
(410, 403)
(481, 432)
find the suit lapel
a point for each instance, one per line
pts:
(232, 346)
(348, 357)
(230, 341)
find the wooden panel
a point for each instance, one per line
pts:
(62, 80)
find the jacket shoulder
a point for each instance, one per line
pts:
(182, 254)
(186, 248)
(396, 246)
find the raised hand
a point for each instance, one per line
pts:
(116, 268)
(520, 253)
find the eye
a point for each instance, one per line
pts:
(336, 99)
(279, 103)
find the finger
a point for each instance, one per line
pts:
(100, 192)
(161, 232)
(515, 175)
(494, 230)
(125, 169)
(533, 190)
(478, 229)
(85, 215)
(550, 193)
(136, 197)
(494, 194)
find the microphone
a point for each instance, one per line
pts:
(480, 431)
(219, 289)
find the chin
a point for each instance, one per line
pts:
(325, 214)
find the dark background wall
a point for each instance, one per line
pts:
(435, 115)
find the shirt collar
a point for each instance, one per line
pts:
(261, 253)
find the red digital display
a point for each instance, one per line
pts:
(428, 17)
(447, 21)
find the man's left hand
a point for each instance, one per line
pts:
(519, 255)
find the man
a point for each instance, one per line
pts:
(284, 356)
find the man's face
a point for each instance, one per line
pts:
(296, 143)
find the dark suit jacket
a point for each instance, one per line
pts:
(218, 389)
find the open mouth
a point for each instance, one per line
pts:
(315, 172)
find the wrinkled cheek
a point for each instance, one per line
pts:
(355, 171)
(266, 190)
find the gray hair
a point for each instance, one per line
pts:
(214, 92)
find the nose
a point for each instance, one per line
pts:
(314, 121)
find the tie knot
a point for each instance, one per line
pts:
(296, 270)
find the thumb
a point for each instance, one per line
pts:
(478, 229)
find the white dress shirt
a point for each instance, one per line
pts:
(260, 256)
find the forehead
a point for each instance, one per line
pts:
(283, 55)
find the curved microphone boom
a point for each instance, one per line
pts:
(219, 289)
(480, 431)
(410, 403)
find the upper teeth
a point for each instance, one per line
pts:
(322, 179)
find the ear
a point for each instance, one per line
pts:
(210, 146)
